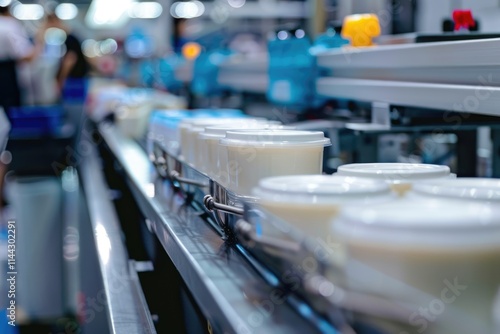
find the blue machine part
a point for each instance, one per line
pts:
(166, 71)
(138, 44)
(206, 70)
(291, 81)
(147, 69)
(293, 68)
(328, 40)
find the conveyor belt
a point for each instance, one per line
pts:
(227, 289)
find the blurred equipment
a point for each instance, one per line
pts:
(4, 129)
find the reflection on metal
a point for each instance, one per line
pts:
(123, 300)
(71, 248)
(103, 243)
(71, 239)
(246, 232)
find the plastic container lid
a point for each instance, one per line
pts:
(204, 122)
(275, 138)
(395, 172)
(200, 126)
(219, 131)
(420, 223)
(479, 189)
(321, 189)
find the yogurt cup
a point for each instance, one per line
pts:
(310, 203)
(400, 176)
(189, 130)
(254, 155)
(428, 253)
(163, 129)
(211, 155)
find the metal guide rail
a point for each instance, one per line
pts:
(126, 310)
(460, 76)
(226, 286)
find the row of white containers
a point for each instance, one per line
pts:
(411, 233)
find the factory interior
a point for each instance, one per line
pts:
(249, 166)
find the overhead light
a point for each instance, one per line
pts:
(108, 13)
(55, 36)
(187, 10)
(145, 10)
(108, 46)
(66, 11)
(299, 33)
(282, 35)
(89, 48)
(236, 3)
(5, 3)
(28, 12)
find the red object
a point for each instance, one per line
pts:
(463, 19)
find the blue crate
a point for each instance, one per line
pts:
(75, 90)
(36, 120)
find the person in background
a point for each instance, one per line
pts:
(15, 47)
(74, 67)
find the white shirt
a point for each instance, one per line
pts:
(14, 42)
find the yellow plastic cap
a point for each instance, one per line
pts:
(360, 29)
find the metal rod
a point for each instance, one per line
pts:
(211, 205)
(174, 175)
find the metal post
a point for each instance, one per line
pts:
(495, 137)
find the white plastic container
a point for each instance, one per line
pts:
(215, 163)
(132, 121)
(254, 155)
(163, 129)
(189, 130)
(440, 256)
(310, 203)
(400, 176)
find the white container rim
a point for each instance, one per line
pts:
(420, 223)
(321, 190)
(476, 189)
(219, 131)
(395, 172)
(274, 138)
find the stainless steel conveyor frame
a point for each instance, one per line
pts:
(229, 291)
(127, 312)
